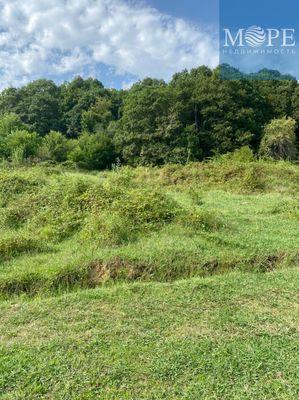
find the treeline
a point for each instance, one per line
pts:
(194, 116)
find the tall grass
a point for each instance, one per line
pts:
(62, 229)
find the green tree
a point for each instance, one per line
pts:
(195, 116)
(24, 142)
(9, 101)
(39, 106)
(227, 114)
(150, 131)
(93, 151)
(8, 124)
(54, 147)
(78, 96)
(279, 140)
(98, 116)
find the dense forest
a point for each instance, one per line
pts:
(198, 114)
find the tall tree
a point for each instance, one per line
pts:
(39, 106)
(78, 97)
(150, 130)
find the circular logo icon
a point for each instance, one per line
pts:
(255, 36)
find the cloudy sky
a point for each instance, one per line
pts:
(117, 41)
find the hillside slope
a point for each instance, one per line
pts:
(110, 285)
(63, 229)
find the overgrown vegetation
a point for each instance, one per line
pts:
(279, 140)
(63, 229)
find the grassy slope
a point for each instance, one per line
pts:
(61, 230)
(233, 336)
(228, 337)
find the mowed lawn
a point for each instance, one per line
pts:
(232, 336)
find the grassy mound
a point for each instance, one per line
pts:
(62, 229)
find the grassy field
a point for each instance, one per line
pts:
(178, 282)
(225, 337)
(63, 230)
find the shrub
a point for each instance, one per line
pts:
(200, 219)
(13, 184)
(93, 151)
(15, 244)
(195, 196)
(287, 209)
(54, 147)
(60, 208)
(8, 123)
(253, 179)
(242, 155)
(120, 214)
(279, 140)
(146, 207)
(23, 142)
(28, 282)
(108, 228)
(16, 214)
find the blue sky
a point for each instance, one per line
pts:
(198, 11)
(116, 41)
(270, 12)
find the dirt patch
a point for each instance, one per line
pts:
(116, 269)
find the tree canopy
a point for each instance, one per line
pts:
(196, 115)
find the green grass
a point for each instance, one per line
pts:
(228, 337)
(63, 230)
(150, 283)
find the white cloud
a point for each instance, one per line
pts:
(41, 38)
(126, 85)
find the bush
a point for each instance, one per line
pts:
(242, 155)
(279, 140)
(23, 142)
(13, 184)
(59, 208)
(9, 123)
(108, 228)
(200, 219)
(54, 147)
(253, 179)
(16, 214)
(93, 151)
(119, 215)
(15, 244)
(146, 208)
